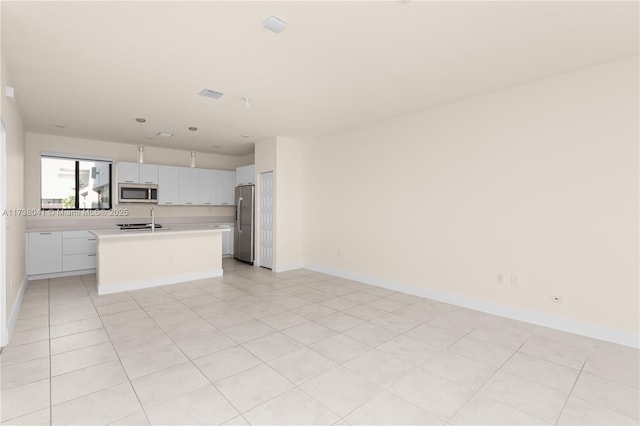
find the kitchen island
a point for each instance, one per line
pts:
(136, 259)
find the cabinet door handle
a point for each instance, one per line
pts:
(188, 203)
(91, 239)
(91, 255)
(45, 233)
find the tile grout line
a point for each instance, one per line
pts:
(189, 361)
(477, 391)
(593, 402)
(119, 360)
(566, 400)
(262, 362)
(338, 365)
(50, 361)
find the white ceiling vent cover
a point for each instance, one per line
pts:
(274, 24)
(210, 93)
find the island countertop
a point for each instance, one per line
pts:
(165, 230)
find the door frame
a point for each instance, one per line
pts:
(3, 236)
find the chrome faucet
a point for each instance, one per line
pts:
(153, 221)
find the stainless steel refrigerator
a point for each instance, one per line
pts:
(243, 236)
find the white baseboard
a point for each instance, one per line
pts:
(289, 267)
(595, 331)
(15, 310)
(154, 282)
(62, 274)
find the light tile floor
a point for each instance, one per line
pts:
(300, 348)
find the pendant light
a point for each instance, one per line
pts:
(193, 131)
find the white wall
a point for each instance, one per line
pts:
(15, 184)
(37, 143)
(539, 181)
(289, 192)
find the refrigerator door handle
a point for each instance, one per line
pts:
(239, 215)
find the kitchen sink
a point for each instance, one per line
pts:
(136, 226)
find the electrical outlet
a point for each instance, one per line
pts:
(500, 278)
(514, 280)
(555, 299)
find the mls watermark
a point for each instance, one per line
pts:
(65, 213)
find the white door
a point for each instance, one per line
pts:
(266, 220)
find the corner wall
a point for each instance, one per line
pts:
(284, 157)
(289, 192)
(15, 184)
(539, 182)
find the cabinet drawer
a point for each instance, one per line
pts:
(79, 246)
(76, 262)
(76, 234)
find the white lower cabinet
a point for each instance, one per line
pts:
(79, 249)
(78, 262)
(60, 252)
(227, 241)
(44, 253)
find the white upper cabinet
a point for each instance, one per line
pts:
(245, 175)
(188, 186)
(225, 187)
(148, 173)
(137, 173)
(207, 186)
(168, 185)
(127, 172)
(183, 185)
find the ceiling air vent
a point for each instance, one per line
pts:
(210, 93)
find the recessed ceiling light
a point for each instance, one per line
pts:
(164, 134)
(211, 93)
(141, 120)
(274, 24)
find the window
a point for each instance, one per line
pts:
(75, 183)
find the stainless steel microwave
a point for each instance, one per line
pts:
(137, 193)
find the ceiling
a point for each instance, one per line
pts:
(93, 67)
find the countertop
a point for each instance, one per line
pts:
(168, 230)
(109, 223)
